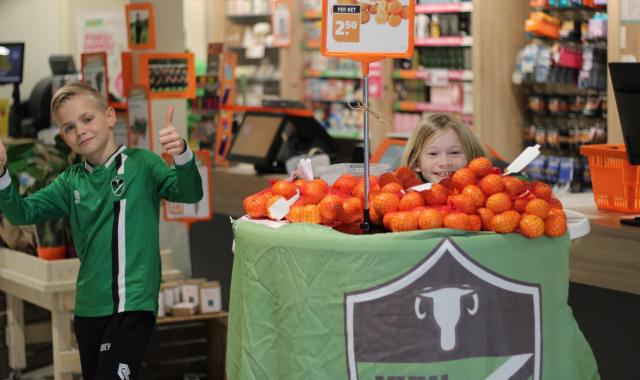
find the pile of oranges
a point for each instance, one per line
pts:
(474, 198)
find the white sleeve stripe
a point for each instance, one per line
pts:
(5, 180)
(184, 157)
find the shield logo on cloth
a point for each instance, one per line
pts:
(448, 317)
(117, 186)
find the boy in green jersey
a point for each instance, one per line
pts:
(113, 201)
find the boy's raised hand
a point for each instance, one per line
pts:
(168, 136)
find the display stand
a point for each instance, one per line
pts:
(310, 302)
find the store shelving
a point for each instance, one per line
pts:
(565, 89)
(258, 70)
(330, 85)
(439, 76)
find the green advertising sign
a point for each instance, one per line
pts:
(308, 302)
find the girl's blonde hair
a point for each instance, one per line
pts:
(72, 90)
(434, 124)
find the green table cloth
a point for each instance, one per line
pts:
(308, 302)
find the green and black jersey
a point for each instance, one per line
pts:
(114, 211)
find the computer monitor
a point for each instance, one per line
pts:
(62, 65)
(11, 62)
(625, 80)
(268, 139)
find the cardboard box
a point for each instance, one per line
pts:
(190, 290)
(184, 309)
(210, 297)
(171, 294)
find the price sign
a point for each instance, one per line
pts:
(346, 23)
(369, 30)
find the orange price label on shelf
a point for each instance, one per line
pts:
(369, 30)
(346, 23)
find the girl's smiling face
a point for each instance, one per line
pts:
(440, 157)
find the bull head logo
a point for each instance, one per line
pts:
(447, 305)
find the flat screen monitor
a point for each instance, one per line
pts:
(625, 80)
(268, 139)
(255, 138)
(11, 62)
(62, 65)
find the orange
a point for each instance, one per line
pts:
(515, 215)
(404, 221)
(394, 20)
(475, 193)
(504, 223)
(532, 226)
(555, 226)
(394, 7)
(295, 213)
(352, 210)
(386, 220)
(480, 166)
(313, 192)
(485, 216)
(542, 190)
(330, 209)
(463, 177)
(557, 211)
(386, 178)
(345, 183)
(255, 205)
(462, 203)
(555, 203)
(311, 214)
(373, 9)
(404, 12)
(499, 202)
(410, 201)
(475, 222)
(299, 183)
(519, 204)
(429, 219)
(436, 196)
(285, 188)
(538, 207)
(404, 172)
(514, 186)
(458, 221)
(393, 188)
(385, 203)
(491, 184)
(364, 17)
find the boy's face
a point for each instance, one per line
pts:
(87, 129)
(440, 157)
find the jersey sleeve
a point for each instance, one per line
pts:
(51, 202)
(180, 184)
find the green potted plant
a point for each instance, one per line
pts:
(34, 165)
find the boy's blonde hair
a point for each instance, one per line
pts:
(72, 90)
(434, 124)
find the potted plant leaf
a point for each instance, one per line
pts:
(34, 165)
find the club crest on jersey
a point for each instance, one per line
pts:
(117, 186)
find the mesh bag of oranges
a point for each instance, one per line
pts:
(474, 198)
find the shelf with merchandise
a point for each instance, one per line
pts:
(248, 32)
(463, 6)
(563, 74)
(438, 77)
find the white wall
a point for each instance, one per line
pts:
(37, 24)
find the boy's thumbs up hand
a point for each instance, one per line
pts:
(168, 136)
